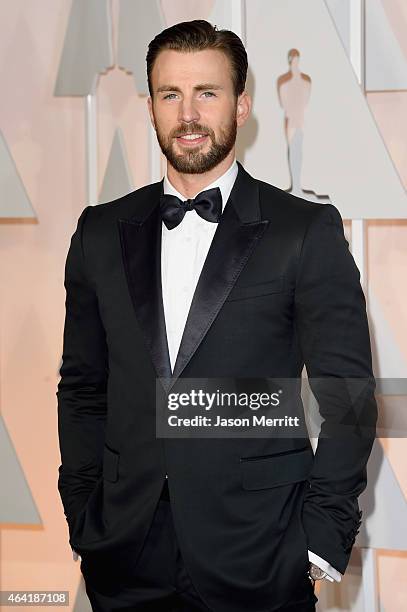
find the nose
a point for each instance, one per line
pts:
(188, 111)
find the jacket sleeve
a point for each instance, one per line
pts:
(81, 393)
(333, 333)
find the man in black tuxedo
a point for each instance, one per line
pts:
(212, 274)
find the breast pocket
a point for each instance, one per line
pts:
(242, 292)
(267, 471)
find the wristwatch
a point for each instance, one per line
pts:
(316, 572)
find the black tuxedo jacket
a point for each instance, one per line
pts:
(279, 288)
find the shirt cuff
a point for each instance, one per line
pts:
(332, 573)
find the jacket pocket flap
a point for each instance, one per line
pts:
(110, 464)
(276, 470)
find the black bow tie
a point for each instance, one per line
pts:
(208, 205)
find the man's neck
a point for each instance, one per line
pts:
(190, 184)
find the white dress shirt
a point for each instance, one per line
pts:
(183, 252)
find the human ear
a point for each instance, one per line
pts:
(244, 104)
(150, 110)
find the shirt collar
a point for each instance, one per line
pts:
(224, 182)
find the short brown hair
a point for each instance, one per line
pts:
(198, 35)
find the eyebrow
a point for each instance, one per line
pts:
(200, 87)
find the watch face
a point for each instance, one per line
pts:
(316, 572)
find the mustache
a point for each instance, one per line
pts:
(191, 129)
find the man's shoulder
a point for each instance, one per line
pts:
(284, 207)
(276, 201)
(127, 205)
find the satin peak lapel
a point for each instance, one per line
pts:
(140, 237)
(234, 240)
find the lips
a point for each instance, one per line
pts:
(188, 134)
(192, 138)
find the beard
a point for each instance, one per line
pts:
(193, 161)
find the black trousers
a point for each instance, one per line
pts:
(162, 583)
